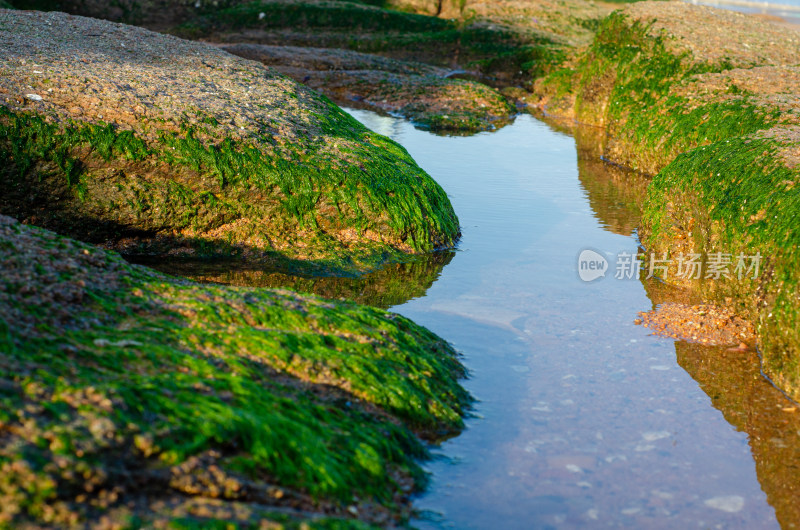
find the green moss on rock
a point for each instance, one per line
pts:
(209, 154)
(135, 396)
(705, 100)
(737, 197)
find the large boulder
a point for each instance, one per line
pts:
(151, 144)
(133, 399)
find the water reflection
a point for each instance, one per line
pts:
(584, 419)
(731, 379)
(615, 195)
(392, 284)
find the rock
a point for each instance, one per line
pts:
(149, 398)
(705, 100)
(511, 41)
(154, 145)
(422, 93)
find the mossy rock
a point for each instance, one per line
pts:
(739, 197)
(644, 79)
(429, 96)
(706, 100)
(151, 144)
(140, 397)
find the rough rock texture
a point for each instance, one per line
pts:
(714, 36)
(153, 144)
(702, 323)
(707, 101)
(507, 44)
(132, 399)
(651, 77)
(425, 94)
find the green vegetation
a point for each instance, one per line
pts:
(131, 395)
(736, 196)
(112, 176)
(722, 183)
(632, 82)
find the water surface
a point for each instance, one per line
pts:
(584, 419)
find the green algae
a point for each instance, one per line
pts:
(145, 379)
(720, 183)
(491, 50)
(630, 81)
(627, 70)
(207, 184)
(737, 197)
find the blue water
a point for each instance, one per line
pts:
(584, 419)
(790, 13)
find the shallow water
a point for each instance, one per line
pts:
(583, 419)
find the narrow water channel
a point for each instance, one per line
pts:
(583, 419)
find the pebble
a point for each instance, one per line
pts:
(33, 97)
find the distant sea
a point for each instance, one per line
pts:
(787, 9)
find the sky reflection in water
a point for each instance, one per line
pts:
(585, 420)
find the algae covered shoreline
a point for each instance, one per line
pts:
(153, 401)
(135, 396)
(155, 145)
(135, 399)
(704, 101)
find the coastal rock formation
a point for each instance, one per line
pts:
(136, 399)
(155, 145)
(496, 49)
(707, 101)
(425, 94)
